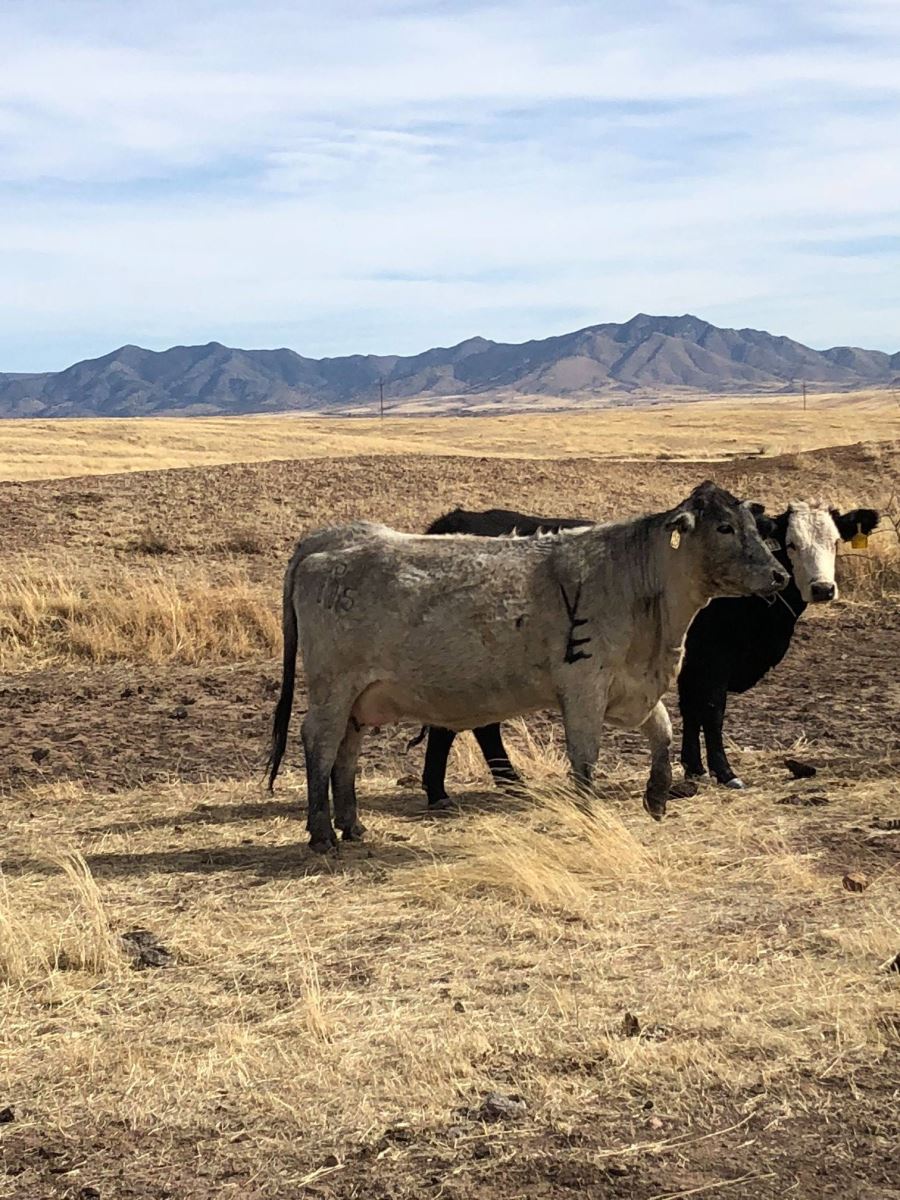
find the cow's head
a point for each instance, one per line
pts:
(809, 534)
(727, 549)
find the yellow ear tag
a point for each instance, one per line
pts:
(859, 541)
(675, 539)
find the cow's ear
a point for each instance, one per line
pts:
(859, 520)
(766, 528)
(682, 520)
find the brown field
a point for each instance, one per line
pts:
(692, 1008)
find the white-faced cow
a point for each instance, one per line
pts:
(460, 632)
(731, 644)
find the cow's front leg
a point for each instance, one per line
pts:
(491, 743)
(713, 721)
(658, 731)
(343, 784)
(583, 722)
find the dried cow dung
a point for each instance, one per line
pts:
(497, 1107)
(801, 800)
(683, 789)
(144, 950)
(800, 770)
(855, 881)
(631, 1026)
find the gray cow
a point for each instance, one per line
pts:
(461, 631)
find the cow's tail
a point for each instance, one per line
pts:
(282, 717)
(418, 739)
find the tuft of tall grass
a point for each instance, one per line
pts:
(74, 934)
(552, 854)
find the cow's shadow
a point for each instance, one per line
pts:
(405, 804)
(379, 852)
(258, 861)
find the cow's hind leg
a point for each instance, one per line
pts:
(323, 731)
(658, 731)
(713, 721)
(491, 742)
(434, 774)
(691, 756)
(343, 784)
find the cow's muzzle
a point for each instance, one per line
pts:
(822, 592)
(778, 581)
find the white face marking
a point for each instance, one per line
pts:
(811, 544)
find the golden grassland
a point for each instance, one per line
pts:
(318, 1004)
(697, 1007)
(724, 428)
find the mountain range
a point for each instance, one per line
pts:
(644, 356)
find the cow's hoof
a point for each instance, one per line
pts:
(655, 806)
(694, 774)
(322, 845)
(442, 804)
(353, 833)
(736, 784)
(683, 789)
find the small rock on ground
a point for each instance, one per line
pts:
(144, 950)
(498, 1107)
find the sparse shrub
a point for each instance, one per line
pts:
(153, 543)
(243, 541)
(872, 574)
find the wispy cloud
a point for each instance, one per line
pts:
(383, 176)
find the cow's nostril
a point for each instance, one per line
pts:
(822, 591)
(780, 577)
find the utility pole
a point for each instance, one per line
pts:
(804, 395)
(381, 397)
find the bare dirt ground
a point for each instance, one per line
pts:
(696, 1008)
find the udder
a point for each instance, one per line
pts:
(380, 704)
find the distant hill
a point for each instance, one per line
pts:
(644, 355)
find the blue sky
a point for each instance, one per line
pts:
(385, 176)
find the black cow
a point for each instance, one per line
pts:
(733, 643)
(730, 646)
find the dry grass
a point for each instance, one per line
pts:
(317, 1004)
(148, 616)
(725, 428)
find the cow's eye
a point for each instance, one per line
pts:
(726, 529)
